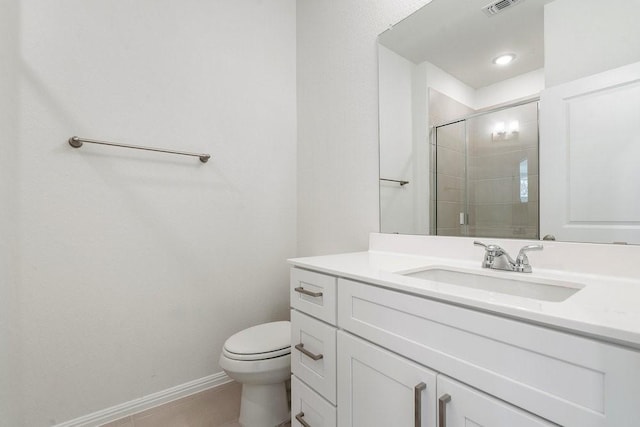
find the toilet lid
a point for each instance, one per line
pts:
(260, 342)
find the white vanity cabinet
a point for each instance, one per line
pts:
(408, 360)
(380, 388)
(313, 349)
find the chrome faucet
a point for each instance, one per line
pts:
(497, 258)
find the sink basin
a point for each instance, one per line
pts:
(539, 289)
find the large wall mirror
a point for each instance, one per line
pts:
(512, 119)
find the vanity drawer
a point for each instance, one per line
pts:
(313, 354)
(561, 377)
(314, 293)
(308, 406)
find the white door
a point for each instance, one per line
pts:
(379, 388)
(590, 158)
(462, 406)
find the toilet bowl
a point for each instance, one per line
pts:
(260, 359)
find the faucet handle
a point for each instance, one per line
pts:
(523, 252)
(522, 261)
(478, 243)
(492, 249)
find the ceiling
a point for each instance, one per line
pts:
(458, 37)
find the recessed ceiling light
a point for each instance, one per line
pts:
(504, 59)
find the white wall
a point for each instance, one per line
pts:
(578, 40)
(9, 314)
(522, 86)
(507, 91)
(396, 142)
(338, 120)
(445, 83)
(135, 267)
(421, 151)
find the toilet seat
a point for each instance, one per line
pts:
(256, 356)
(260, 342)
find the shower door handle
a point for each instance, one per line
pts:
(464, 218)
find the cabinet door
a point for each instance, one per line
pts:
(379, 388)
(462, 406)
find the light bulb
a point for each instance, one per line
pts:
(504, 59)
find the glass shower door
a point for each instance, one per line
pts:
(449, 197)
(487, 175)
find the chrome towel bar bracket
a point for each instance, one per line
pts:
(76, 142)
(399, 181)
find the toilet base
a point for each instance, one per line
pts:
(263, 405)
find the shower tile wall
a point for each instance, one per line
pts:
(503, 175)
(449, 181)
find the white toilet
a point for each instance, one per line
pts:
(260, 359)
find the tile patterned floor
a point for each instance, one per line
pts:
(218, 407)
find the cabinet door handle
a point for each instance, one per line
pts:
(301, 349)
(417, 403)
(442, 409)
(302, 290)
(300, 418)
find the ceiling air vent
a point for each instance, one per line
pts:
(498, 6)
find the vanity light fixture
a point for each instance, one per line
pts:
(502, 133)
(504, 59)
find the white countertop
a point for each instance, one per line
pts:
(606, 308)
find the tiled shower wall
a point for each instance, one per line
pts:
(503, 175)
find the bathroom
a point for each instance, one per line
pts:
(123, 272)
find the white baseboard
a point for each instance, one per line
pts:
(147, 402)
